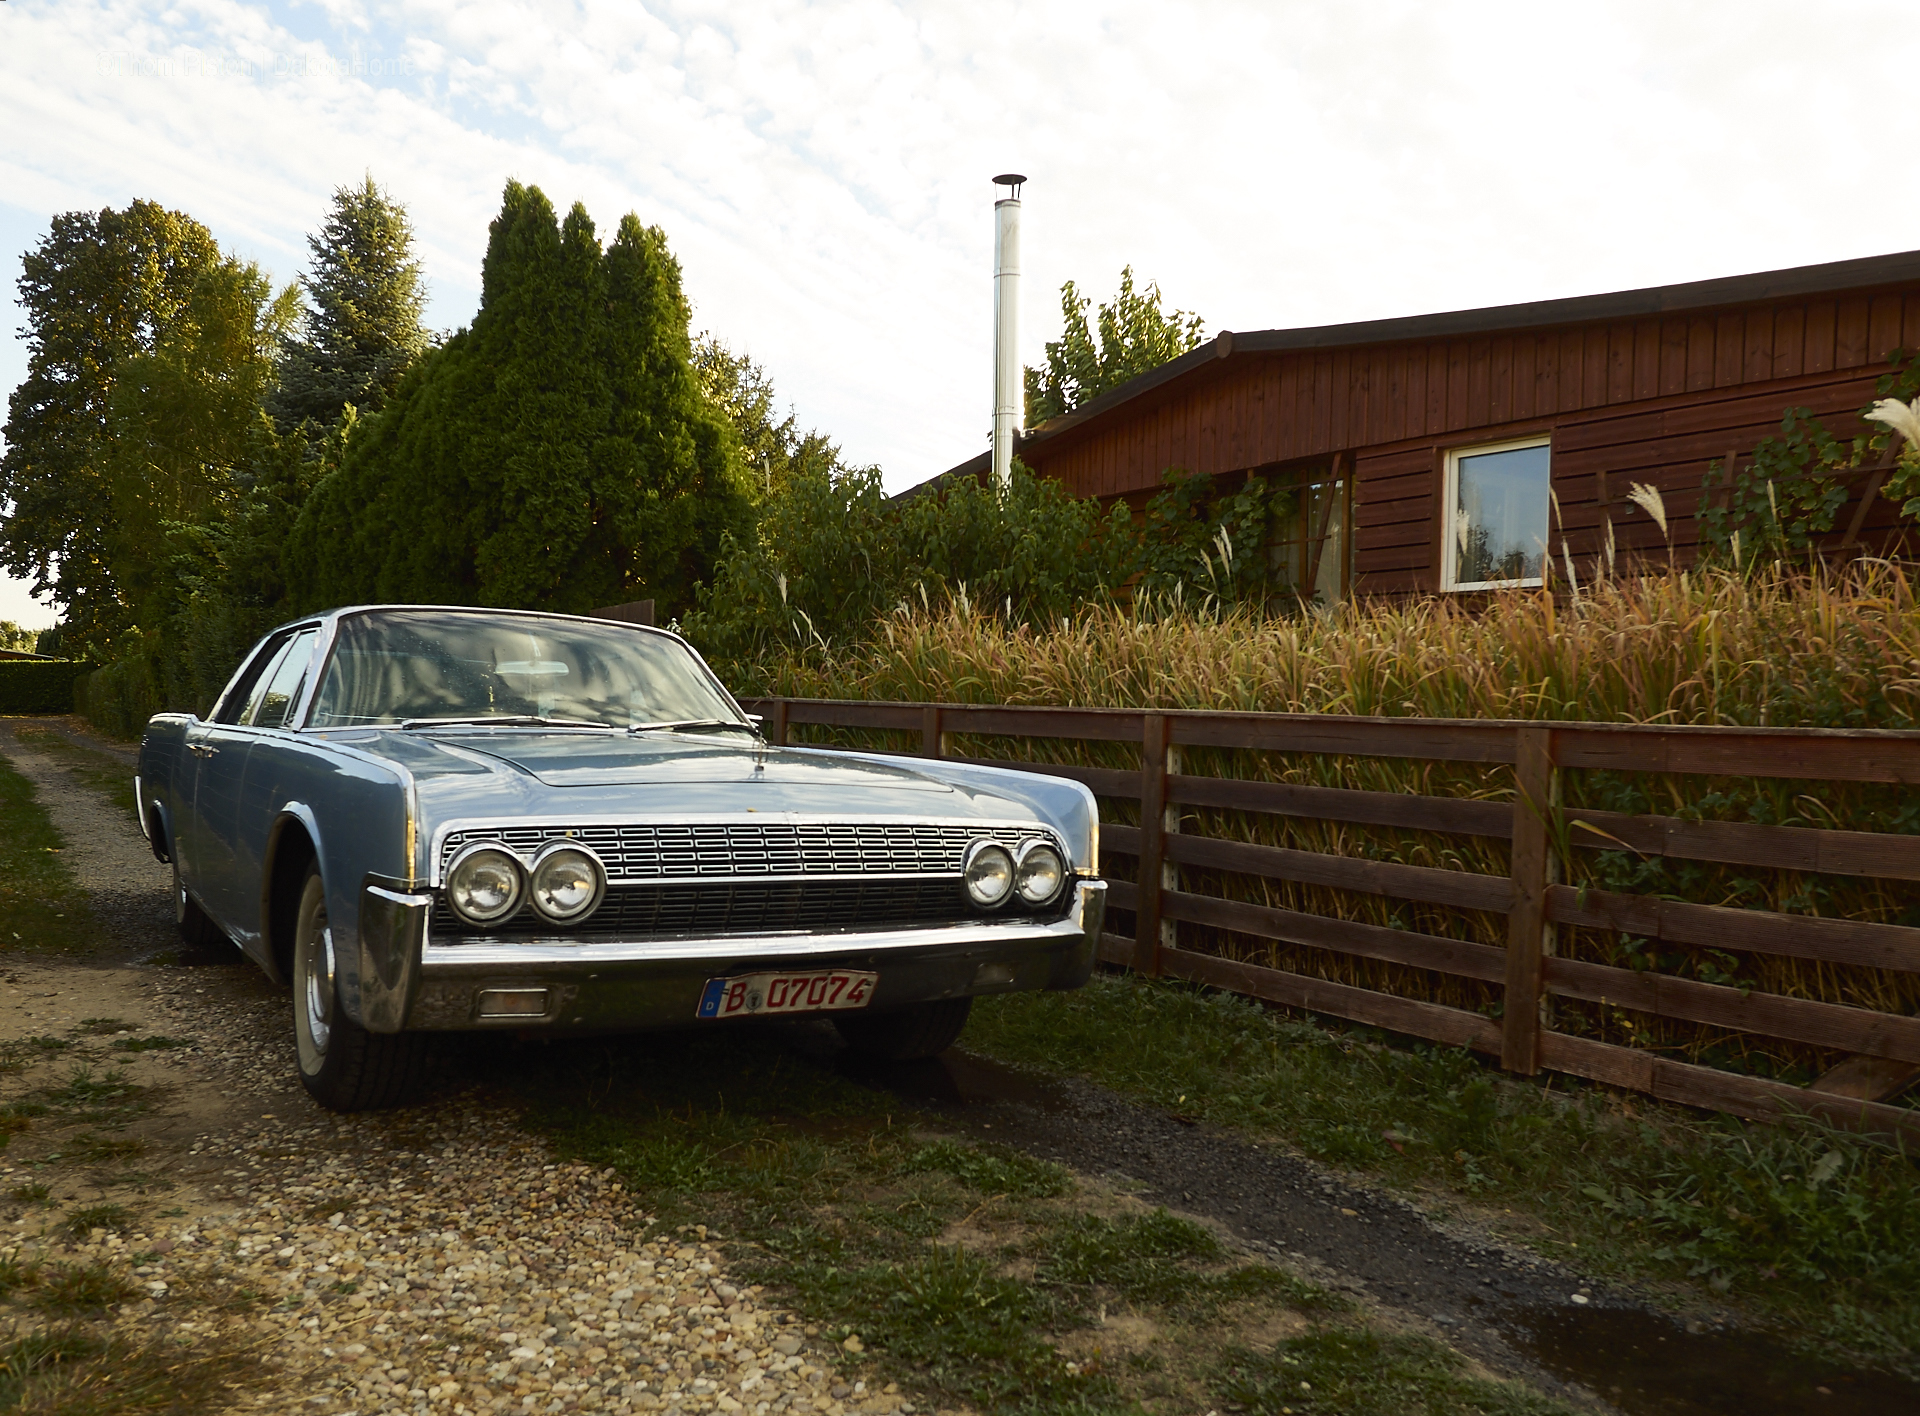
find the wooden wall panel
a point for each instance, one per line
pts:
(1651, 400)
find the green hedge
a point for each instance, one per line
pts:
(118, 698)
(38, 685)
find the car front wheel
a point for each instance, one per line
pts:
(905, 1034)
(343, 1066)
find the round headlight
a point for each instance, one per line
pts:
(1040, 872)
(989, 874)
(567, 882)
(484, 885)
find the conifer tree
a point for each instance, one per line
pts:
(363, 327)
(558, 453)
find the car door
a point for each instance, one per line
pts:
(218, 750)
(262, 793)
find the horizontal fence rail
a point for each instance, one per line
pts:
(1541, 833)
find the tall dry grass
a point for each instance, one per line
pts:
(1786, 649)
(1781, 649)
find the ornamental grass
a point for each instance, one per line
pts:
(1779, 648)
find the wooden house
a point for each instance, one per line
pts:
(1452, 452)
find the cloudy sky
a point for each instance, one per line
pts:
(822, 170)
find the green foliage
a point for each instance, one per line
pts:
(1344, 1372)
(833, 560)
(1135, 335)
(363, 328)
(773, 450)
(992, 1170)
(99, 290)
(1799, 1217)
(37, 685)
(559, 453)
(12, 636)
(1778, 505)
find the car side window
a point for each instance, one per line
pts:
(244, 696)
(285, 681)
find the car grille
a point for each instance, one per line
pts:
(666, 912)
(706, 880)
(729, 849)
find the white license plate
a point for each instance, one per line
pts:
(764, 994)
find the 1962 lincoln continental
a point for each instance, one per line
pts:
(426, 819)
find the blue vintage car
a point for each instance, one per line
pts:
(429, 819)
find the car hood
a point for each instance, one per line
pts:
(461, 773)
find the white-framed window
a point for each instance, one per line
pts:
(1495, 508)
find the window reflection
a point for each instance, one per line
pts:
(1500, 515)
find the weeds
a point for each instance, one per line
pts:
(32, 1193)
(72, 1372)
(83, 1221)
(149, 1044)
(851, 1215)
(65, 1289)
(1797, 1219)
(1343, 1372)
(104, 1027)
(40, 901)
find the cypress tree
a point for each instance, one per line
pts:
(558, 453)
(363, 328)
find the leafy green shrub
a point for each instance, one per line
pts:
(38, 685)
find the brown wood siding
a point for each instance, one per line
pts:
(1649, 400)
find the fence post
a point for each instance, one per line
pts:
(933, 742)
(776, 723)
(1156, 735)
(1536, 802)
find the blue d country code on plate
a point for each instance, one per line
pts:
(756, 995)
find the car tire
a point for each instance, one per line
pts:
(342, 1065)
(905, 1034)
(196, 926)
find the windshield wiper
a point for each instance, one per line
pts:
(503, 720)
(692, 724)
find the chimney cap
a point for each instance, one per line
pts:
(1010, 179)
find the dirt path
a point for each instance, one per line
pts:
(166, 1186)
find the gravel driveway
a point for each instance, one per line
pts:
(428, 1260)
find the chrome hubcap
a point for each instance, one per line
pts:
(319, 990)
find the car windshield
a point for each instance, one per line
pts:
(401, 666)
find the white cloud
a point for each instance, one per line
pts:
(821, 169)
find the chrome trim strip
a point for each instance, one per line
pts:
(722, 951)
(140, 809)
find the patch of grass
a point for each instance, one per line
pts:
(1347, 1372)
(149, 1044)
(93, 1148)
(844, 1213)
(80, 1288)
(104, 1027)
(993, 1170)
(83, 1221)
(1792, 1219)
(85, 1097)
(32, 1193)
(1157, 1258)
(42, 907)
(15, 1276)
(72, 1372)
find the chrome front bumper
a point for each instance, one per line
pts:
(609, 984)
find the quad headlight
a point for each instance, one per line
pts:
(1038, 873)
(989, 874)
(485, 883)
(568, 882)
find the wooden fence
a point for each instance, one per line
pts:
(1884, 1047)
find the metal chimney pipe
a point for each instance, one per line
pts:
(1009, 395)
